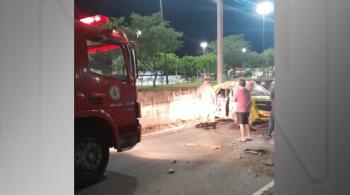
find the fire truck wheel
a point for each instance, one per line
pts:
(90, 158)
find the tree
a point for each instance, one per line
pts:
(187, 66)
(267, 58)
(118, 24)
(209, 62)
(172, 63)
(232, 50)
(157, 37)
(252, 61)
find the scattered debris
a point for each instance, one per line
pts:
(255, 152)
(256, 175)
(239, 157)
(187, 161)
(173, 162)
(209, 175)
(212, 147)
(269, 162)
(171, 171)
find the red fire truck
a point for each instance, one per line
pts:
(106, 107)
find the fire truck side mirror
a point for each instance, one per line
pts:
(134, 64)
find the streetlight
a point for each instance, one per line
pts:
(264, 8)
(204, 45)
(138, 33)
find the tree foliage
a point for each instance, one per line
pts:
(232, 50)
(156, 38)
(187, 66)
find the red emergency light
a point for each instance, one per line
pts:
(96, 20)
(103, 48)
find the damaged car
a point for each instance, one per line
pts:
(260, 101)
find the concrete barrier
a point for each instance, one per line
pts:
(166, 106)
(161, 107)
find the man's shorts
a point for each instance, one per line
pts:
(242, 118)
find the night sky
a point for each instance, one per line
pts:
(195, 18)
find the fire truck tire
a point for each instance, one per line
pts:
(91, 155)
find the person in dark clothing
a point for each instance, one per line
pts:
(272, 117)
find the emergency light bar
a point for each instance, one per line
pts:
(96, 20)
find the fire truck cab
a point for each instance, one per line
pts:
(106, 107)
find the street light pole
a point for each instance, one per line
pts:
(204, 45)
(219, 40)
(161, 9)
(263, 32)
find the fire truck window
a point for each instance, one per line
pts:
(105, 59)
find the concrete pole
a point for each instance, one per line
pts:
(219, 40)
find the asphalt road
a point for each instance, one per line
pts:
(197, 170)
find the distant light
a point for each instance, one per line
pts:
(264, 8)
(204, 44)
(244, 50)
(138, 33)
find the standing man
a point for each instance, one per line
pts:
(250, 87)
(272, 85)
(207, 97)
(263, 84)
(242, 97)
(272, 117)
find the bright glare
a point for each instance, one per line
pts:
(244, 50)
(97, 18)
(204, 44)
(264, 8)
(139, 32)
(88, 20)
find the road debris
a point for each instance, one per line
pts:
(239, 157)
(173, 162)
(171, 171)
(212, 147)
(255, 152)
(268, 162)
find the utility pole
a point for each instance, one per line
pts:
(219, 39)
(161, 9)
(165, 54)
